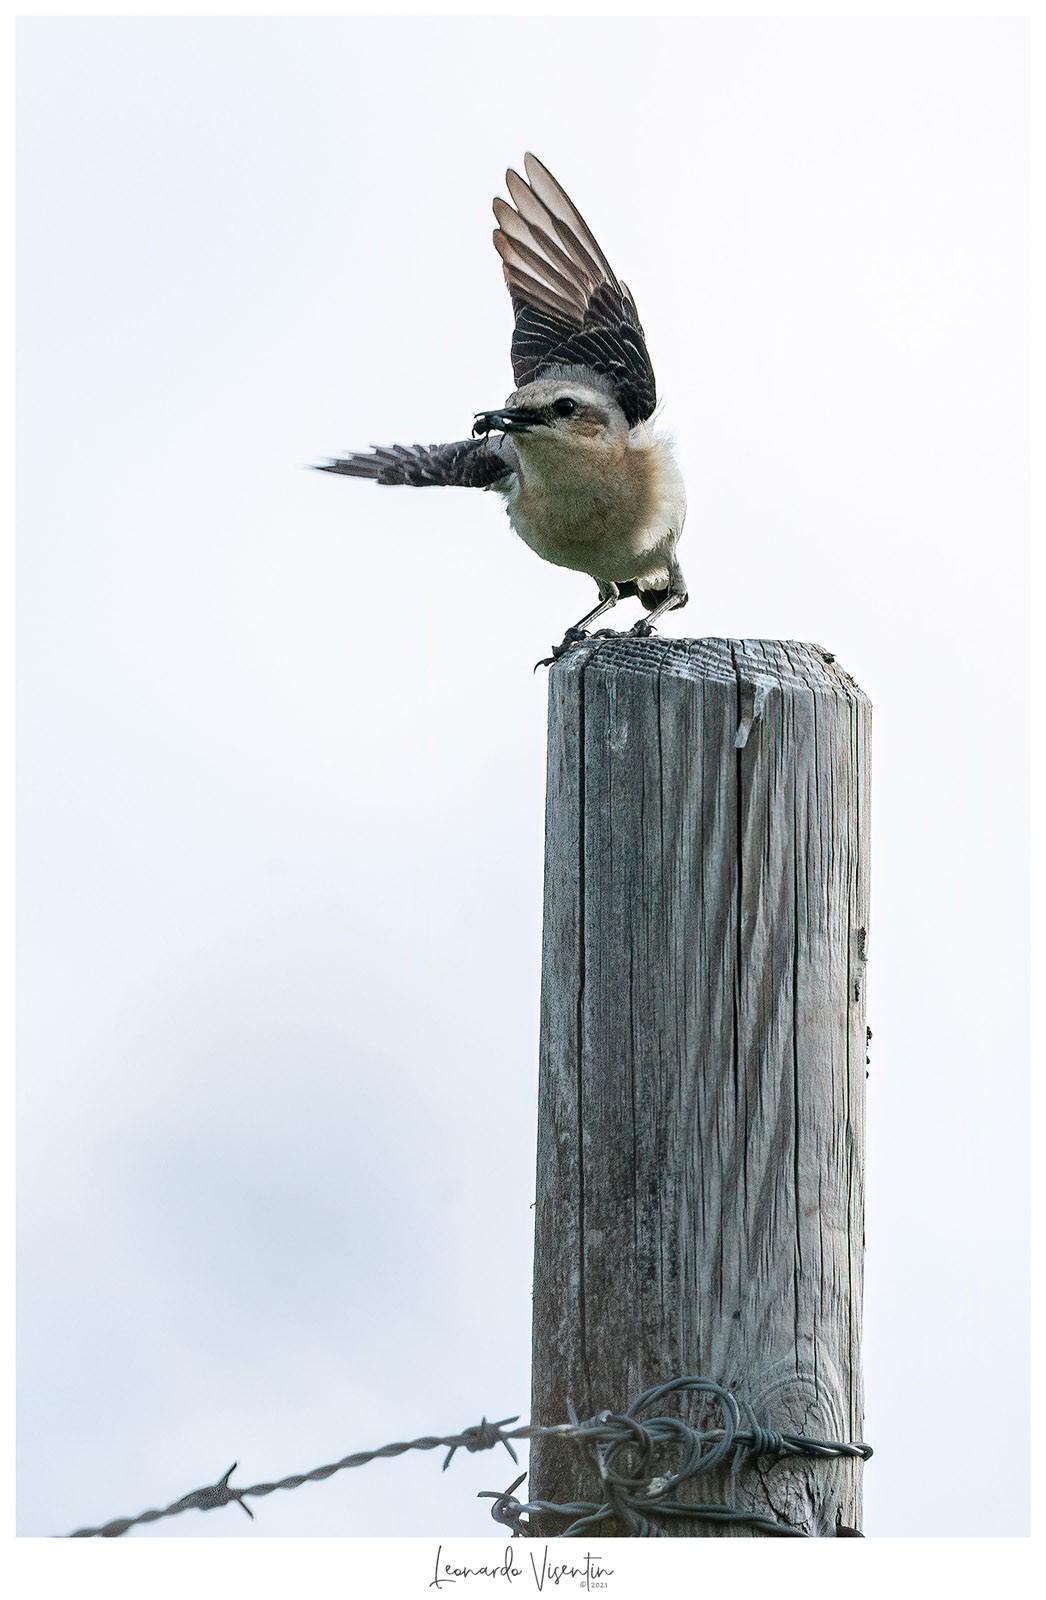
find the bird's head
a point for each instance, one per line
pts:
(553, 413)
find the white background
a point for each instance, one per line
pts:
(282, 754)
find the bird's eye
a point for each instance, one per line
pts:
(564, 407)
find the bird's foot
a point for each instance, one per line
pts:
(642, 629)
(572, 637)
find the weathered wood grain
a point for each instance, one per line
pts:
(701, 1117)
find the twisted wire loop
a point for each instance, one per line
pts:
(642, 1500)
(624, 1447)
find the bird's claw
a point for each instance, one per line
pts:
(572, 637)
(642, 629)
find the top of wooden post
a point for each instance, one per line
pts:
(754, 666)
(783, 661)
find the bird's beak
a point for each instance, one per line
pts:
(507, 421)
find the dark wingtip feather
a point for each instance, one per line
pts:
(355, 466)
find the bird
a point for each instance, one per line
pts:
(587, 482)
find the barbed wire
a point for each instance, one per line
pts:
(482, 1436)
(633, 1491)
(635, 1494)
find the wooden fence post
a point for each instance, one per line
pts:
(700, 1187)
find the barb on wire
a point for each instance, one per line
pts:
(633, 1491)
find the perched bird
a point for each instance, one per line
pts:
(587, 483)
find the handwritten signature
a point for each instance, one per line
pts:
(586, 1571)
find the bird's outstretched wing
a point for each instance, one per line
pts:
(466, 464)
(570, 308)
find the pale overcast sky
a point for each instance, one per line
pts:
(282, 752)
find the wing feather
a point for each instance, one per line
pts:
(559, 204)
(535, 292)
(512, 244)
(537, 220)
